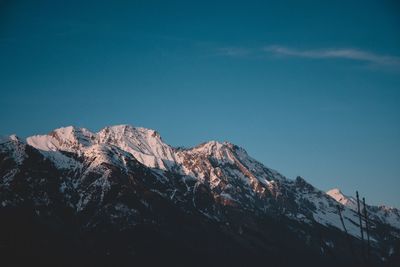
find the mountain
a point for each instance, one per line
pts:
(123, 196)
(387, 215)
(347, 201)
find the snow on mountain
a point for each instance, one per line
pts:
(326, 212)
(15, 145)
(230, 173)
(124, 175)
(144, 144)
(390, 216)
(347, 201)
(69, 139)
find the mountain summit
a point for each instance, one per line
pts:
(124, 195)
(347, 201)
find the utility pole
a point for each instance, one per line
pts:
(361, 226)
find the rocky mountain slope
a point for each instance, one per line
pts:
(122, 195)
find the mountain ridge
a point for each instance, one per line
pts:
(154, 133)
(119, 177)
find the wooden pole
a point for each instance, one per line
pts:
(361, 226)
(367, 230)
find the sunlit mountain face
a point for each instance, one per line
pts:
(123, 197)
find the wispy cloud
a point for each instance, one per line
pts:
(341, 53)
(370, 59)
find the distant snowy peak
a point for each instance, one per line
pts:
(382, 213)
(147, 146)
(223, 161)
(216, 150)
(347, 201)
(141, 139)
(144, 144)
(223, 152)
(70, 139)
(74, 135)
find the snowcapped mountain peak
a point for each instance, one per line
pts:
(73, 135)
(213, 147)
(220, 151)
(335, 192)
(146, 145)
(127, 131)
(65, 138)
(337, 195)
(390, 216)
(65, 132)
(209, 146)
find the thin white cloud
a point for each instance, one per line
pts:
(344, 53)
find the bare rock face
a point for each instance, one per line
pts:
(122, 196)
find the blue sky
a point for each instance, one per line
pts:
(310, 88)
